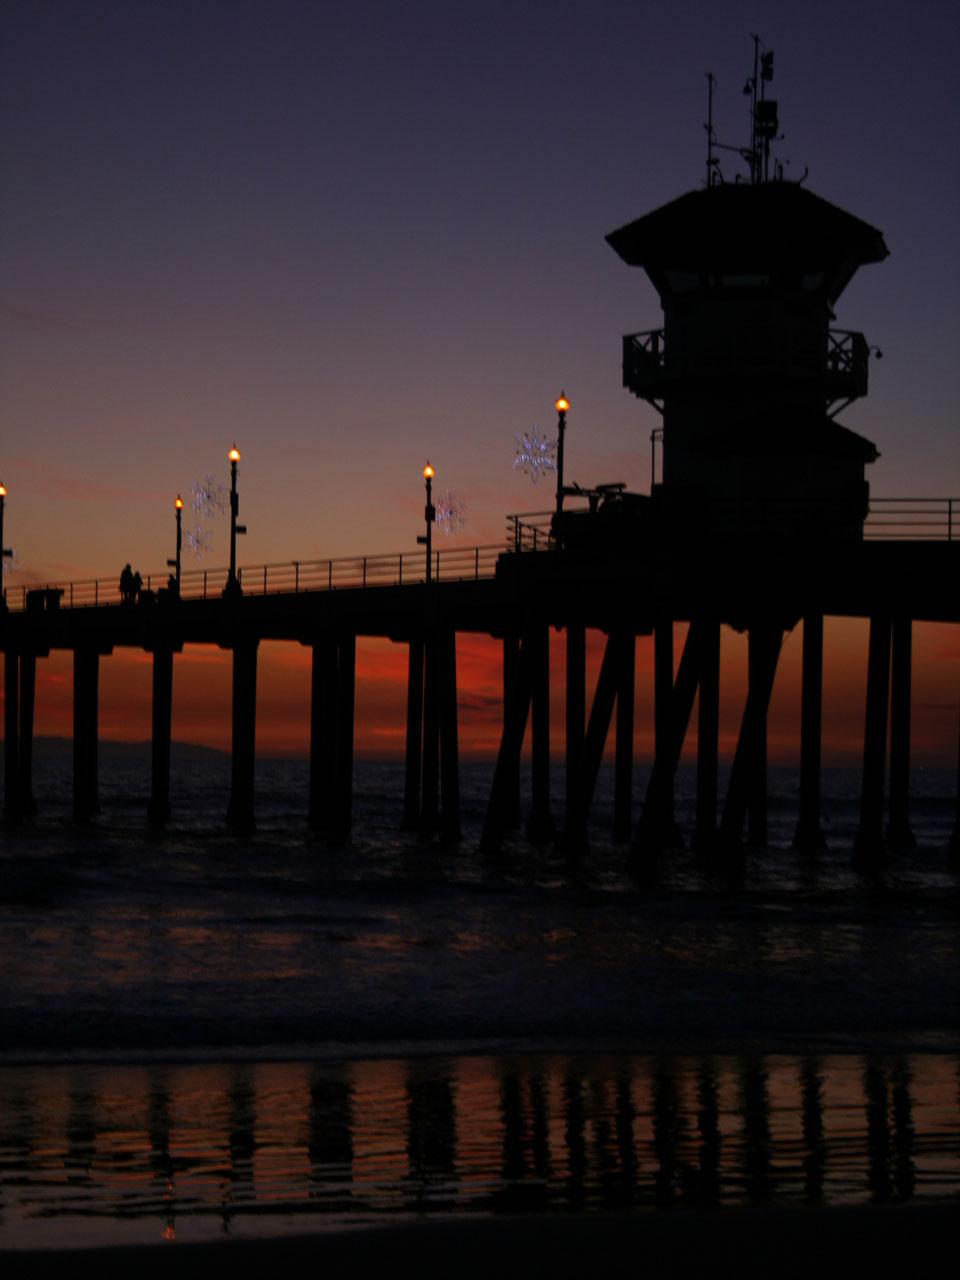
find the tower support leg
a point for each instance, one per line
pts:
(574, 821)
(598, 726)
(655, 830)
(623, 773)
(899, 834)
(751, 745)
(708, 729)
(809, 835)
(501, 810)
(759, 641)
(868, 849)
(662, 711)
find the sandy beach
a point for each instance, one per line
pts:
(779, 1243)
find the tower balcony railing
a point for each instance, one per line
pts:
(650, 371)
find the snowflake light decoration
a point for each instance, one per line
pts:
(209, 497)
(198, 540)
(534, 455)
(450, 511)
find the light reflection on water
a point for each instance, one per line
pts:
(109, 1153)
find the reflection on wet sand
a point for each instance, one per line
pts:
(108, 1153)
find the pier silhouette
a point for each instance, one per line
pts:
(761, 520)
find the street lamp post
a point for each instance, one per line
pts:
(233, 584)
(175, 564)
(430, 515)
(562, 405)
(4, 551)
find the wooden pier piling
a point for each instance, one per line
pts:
(623, 760)
(809, 834)
(899, 833)
(28, 695)
(11, 733)
(708, 731)
(86, 682)
(240, 811)
(540, 825)
(159, 808)
(748, 771)
(868, 849)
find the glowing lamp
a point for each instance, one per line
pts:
(428, 472)
(563, 404)
(3, 491)
(179, 503)
(234, 454)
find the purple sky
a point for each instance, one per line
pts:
(354, 236)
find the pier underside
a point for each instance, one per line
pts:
(532, 598)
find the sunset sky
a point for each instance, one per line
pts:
(350, 237)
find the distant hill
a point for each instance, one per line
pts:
(47, 747)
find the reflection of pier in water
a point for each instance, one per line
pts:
(203, 1146)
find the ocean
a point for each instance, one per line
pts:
(206, 1035)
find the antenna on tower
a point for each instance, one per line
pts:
(763, 112)
(713, 163)
(764, 122)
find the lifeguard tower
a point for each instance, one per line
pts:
(746, 371)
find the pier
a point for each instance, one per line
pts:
(761, 521)
(523, 597)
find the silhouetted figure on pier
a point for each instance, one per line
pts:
(130, 585)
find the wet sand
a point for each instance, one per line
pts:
(779, 1244)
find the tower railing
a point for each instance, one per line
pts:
(648, 372)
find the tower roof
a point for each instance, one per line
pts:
(770, 229)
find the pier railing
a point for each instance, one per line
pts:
(929, 519)
(891, 519)
(529, 531)
(449, 564)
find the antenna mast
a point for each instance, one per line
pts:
(763, 113)
(712, 161)
(763, 122)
